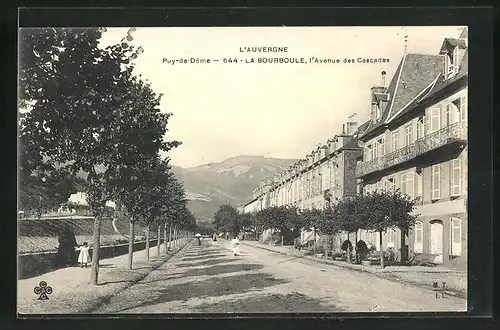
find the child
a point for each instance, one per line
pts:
(236, 246)
(84, 256)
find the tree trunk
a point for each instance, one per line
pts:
(333, 246)
(165, 238)
(348, 250)
(381, 250)
(314, 242)
(326, 248)
(170, 237)
(355, 245)
(96, 237)
(403, 256)
(158, 243)
(147, 242)
(131, 239)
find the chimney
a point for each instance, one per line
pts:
(383, 78)
(343, 128)
(352, 124)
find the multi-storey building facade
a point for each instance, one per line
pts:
(416, 141)
(323, 176)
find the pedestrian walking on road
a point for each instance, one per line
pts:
(236, 246)
(84, 256)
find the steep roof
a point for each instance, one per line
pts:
(370, 125)
(418, 73)
(413, 79)
(440, 84)
(362, 128)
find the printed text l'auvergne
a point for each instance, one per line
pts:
(267, 49)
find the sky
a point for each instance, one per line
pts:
(273, 110)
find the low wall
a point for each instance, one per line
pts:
(34, 264)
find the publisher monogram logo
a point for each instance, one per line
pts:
(43, 290)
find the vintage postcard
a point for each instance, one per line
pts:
(242, 170)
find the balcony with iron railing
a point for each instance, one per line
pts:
(450, 134)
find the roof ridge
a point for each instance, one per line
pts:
(393, 97)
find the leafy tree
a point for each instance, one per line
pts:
(85, 109)
(205, 228)
(227, 219)
(330, 223)
(247, 222)
(144, 189)
(177, 210)
(311, 219)
(284, 218)
(382, 210)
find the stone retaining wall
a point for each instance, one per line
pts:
(34, 264)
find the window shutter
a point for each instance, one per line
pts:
(448, 115)
(457, 230)
(418, 177)
(463, 108)
(456, 174)
(410, 184)
(436, 182)
(403, 183)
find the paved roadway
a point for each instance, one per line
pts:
(210, 279)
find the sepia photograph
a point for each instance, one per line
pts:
(278, 169)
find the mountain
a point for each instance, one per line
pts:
(230, 181)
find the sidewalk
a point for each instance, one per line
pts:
(456, 281)
(71, 291)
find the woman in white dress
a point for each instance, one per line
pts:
(236, 246)
(84, 256)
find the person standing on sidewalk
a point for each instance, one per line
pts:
(84, 256)
(66, 251)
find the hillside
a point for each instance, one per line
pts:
(210, 185)
(230, 181)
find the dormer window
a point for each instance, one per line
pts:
(452, 62)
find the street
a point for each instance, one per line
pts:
(210, 279)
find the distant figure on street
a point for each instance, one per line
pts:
(347, 248)
(214, 237)
(66, 253)
(84, 256)
(236, 246)
(199, 240)
(361, 250)
(347, 245)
